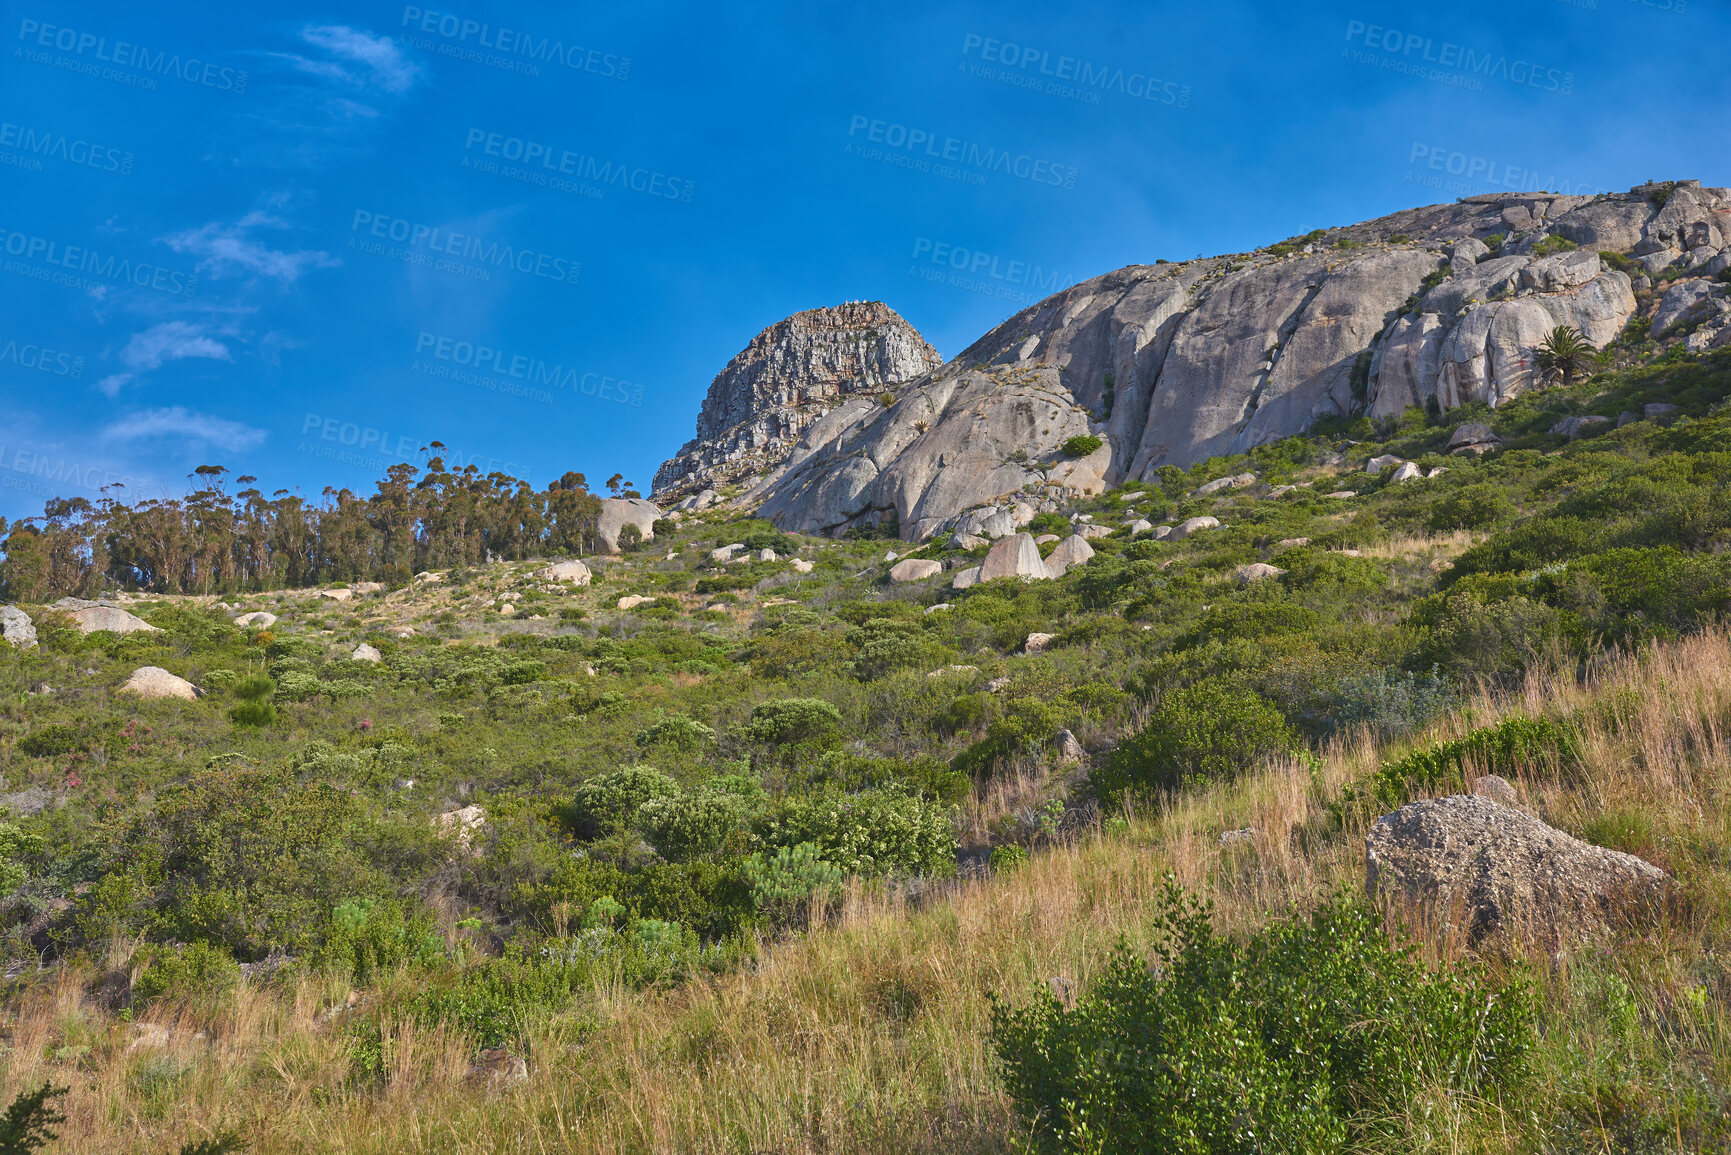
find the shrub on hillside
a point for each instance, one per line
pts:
(607, 803)
(795, 727)
(692, 823)
(1514, 748)
(1315, 1035)
(1080, 445)
(872, 833)
(1209, 730)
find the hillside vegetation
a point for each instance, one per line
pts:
(794, 858)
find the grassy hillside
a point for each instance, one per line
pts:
(754, 858)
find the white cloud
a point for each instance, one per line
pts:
(171, 341)
(223, 249)
(180, 423)
(378, 55)
(112, 384)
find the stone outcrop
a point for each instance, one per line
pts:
(619, 512)
(1507, 877)
(156, 682)
(257, 619)
(366, 653)
(915, 569)
(16, 627)
(102, 617)
(790, 376)
(1439, 306)
(568, 571)
(1067, 554)
(1014, 557)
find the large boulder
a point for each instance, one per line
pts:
(16, 627)
(1192, 525)
(915, 569)
(567, 571)
(257, 619)
(619, 512)
(1016, 557)
(156, 682)
(102, 617)
(1683, 302)
(1508, 878)
(1072, 551)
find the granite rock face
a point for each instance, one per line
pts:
(787, 378)
(619, 512)
(1169, 364)
(1505, 876)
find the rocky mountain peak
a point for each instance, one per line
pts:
(786, 378)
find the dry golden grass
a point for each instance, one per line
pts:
(870, 1033)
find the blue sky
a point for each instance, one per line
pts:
(303, 245)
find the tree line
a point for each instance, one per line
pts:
(216, 541)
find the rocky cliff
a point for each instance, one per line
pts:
(1173, 363)
(789, 376)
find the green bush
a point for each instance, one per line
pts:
(607, 803)
(1553, 244)
(1080, 445)
(1008, 857)
(630, 538)
(1316, 1035)
(198, 971)
(693, 823)
(367, 936)
(872, 833)
(678, 731)
(784, 881)
(1514, 748)
(1471, 507)
(16, 844)
(796, 727)
(1209, 730)
(53, 741)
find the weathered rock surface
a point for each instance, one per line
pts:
(1071, 552)
(257, 619)
(568, 571)
(915, 569)
(102, 616)
(461, 824)
(1256, 571)
(1508, 877)
(1013, 557)
(1192, 525)
(787, 378)
(366, 653)
(16, 627)
(1173, 363)
(156, 682)
(632, 601)
(619, 512)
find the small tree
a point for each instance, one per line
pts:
(1564, 354)
(30, 1123)
(1210, 730)
(630, 538)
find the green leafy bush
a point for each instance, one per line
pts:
(872, 833)
(53, 741)
(607, 803)
(1516, 747)
(1008, 857)
(677, 731)
(784, 881)
(1553, 244)
(198, 971)
(1213, 729)
(1315, 1035)
(1080, 445)
(692, 823)
(795, 727)
(1471, 507)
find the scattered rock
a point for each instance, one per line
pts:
(1281, 490)
(1292, 542)
(1473, 437)
(800, 565)
(1092, 532)
(619, 512)
(1498, 789)
(966, 541)
(568, 571)
(939, 606)
(1044, 538)
(1255, 572)
(1016, 557)
(102, 617)
(1237, 482)
(953, 669)
(965, 578)
(1438, 471)
(1037, 643)
(891, 555)
(507, 608)
(1067, 554)
(368, 587)
(996, 684)
(148, 1037)
(366, 653)
(1342, 493)
(337, 595)
(1185, 528)
(1660, 411)
(17, 628)
(1575, 428)
(1683, 303)
(497, 1067)
(1561, 272)
(915, 569)
(427, 578)
(1069, 749)
(632, 601)
(1140, 526)
(462, 824)
(156, 682)
(766, 555)
(258, 619)
(1408, 471)
(1378, 464)
(1509, 877)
